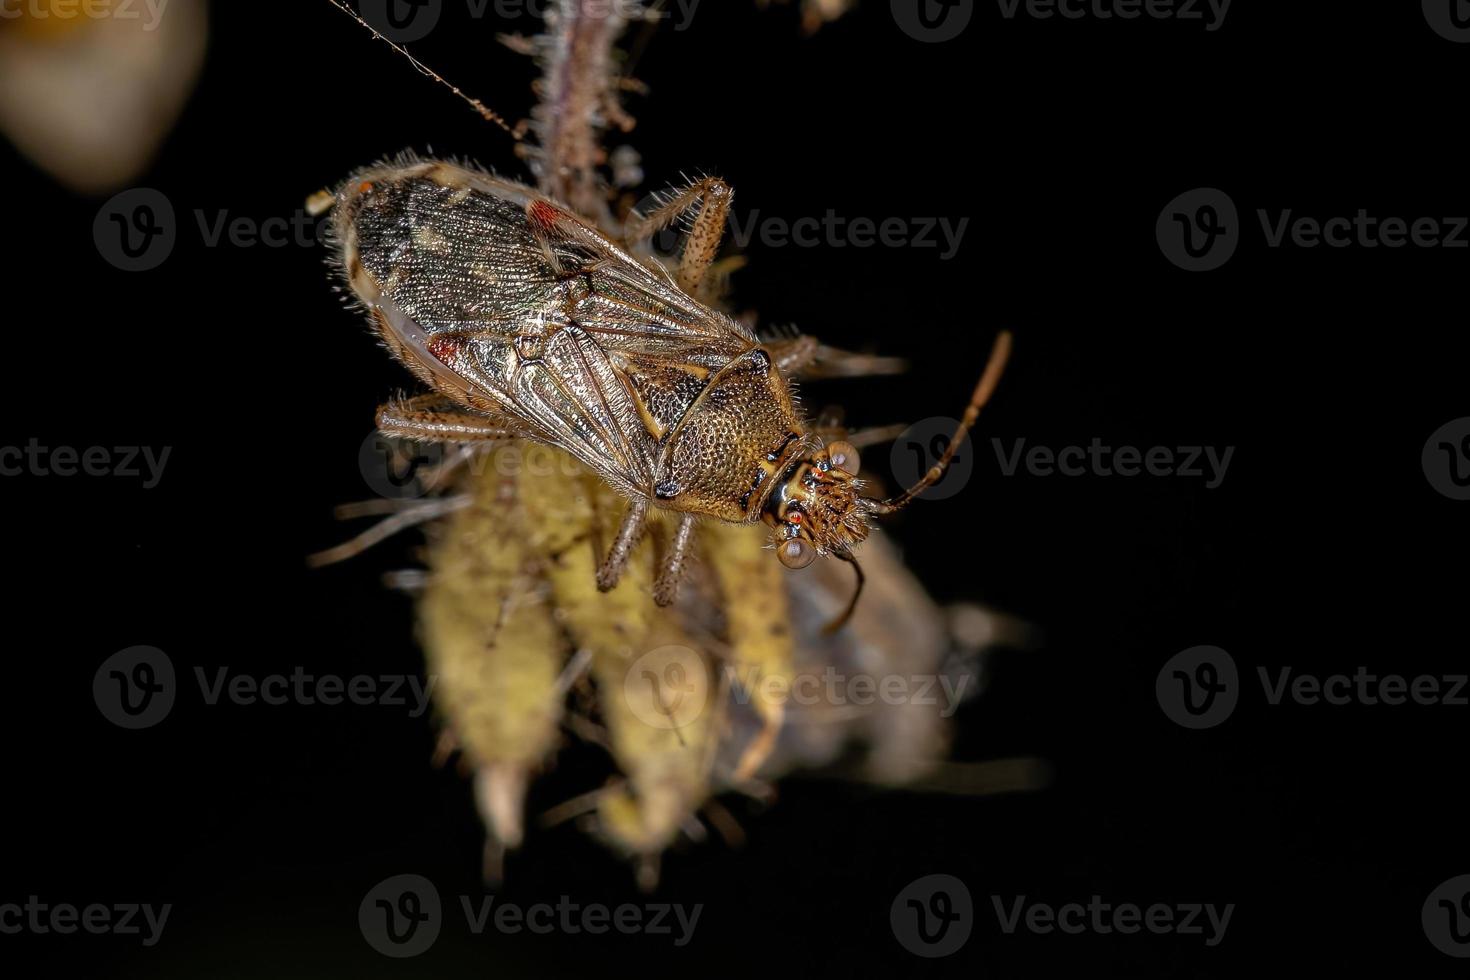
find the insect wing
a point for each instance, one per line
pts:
(513, 305)
(576, 395)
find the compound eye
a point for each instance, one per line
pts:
(796, 552)
(845, 457)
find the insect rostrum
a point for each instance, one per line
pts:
(526, 321)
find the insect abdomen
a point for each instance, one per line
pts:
(449, 247)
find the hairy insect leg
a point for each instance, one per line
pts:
(791, 356)
(666, 587)
(436, 418)
(712, 197)
(806, 357)
(612, 566)
(830, 424)
(831, 428)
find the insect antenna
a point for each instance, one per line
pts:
(857, 591)
(484, 111)
(983, 390)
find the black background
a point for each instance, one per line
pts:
(1325, 548)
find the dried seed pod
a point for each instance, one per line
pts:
(495, 652)
(758, 631)
(690, 699)
(664, 749)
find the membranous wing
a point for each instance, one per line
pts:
(510, 304)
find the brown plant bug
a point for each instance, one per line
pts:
(527, 321)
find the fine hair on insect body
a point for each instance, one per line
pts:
(525, 320)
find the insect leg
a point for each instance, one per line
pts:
(436, 418)
(876, 436)
(794, 354)
(805, 356)
(612, 566)
(666, 587)
(712, 196)
(829, 427)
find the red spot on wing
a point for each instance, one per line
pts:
(445, 348)
(543, 216)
